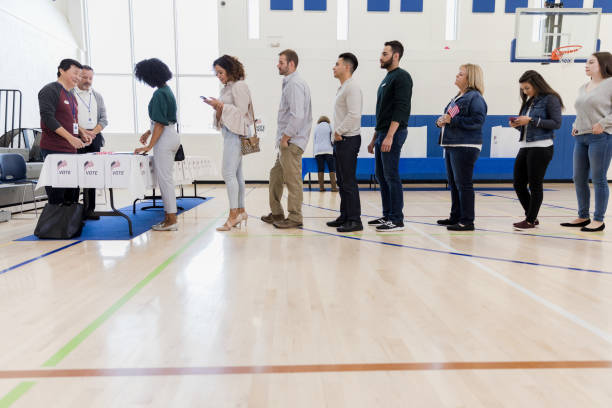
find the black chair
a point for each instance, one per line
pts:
(13, 171)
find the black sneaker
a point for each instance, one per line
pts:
(350, 226)
(390, 226)
(335, 223)
(461, 227)
(446, 221)
(378, 221)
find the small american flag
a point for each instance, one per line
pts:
(452, 110)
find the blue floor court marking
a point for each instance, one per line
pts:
(39, 257)
(516, 199)
(522, 233)
(454, 253)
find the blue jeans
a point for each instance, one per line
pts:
(592, 152)
(232, 168)
(387, 174)
(460, 171)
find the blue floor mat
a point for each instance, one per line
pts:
(116, 228)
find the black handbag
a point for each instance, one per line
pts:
(60, 221)
(180, 154)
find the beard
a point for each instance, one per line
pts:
(386, 64)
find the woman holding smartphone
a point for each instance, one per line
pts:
(593, 148)
(540, 115)
(233, 116)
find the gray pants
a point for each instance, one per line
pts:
(232, 168)
(163, 165)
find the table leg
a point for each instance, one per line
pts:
(115, 212)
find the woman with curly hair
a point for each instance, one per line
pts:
(164, 140)
(233, 116)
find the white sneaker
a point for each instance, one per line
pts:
(161, 227)
(389, 226)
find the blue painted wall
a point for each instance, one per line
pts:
(415, 6)
(281, 4)
(378, 5)
(315, 5)
(483, 6)
(560, 168)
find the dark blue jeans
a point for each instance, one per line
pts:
(460, 171)
(387, 174)
(592, 152)
(325, 158)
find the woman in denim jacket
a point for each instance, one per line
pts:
(461, 137)
(540, 115)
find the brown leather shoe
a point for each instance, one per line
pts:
(272, 218)
(284, 224)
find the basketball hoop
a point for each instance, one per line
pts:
(566, 54)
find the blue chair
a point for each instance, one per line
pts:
(13, 171)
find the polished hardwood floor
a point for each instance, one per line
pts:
(261, 317)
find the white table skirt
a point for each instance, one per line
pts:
(125, 171)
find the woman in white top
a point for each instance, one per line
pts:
(323, 152)
(233, 116)
(592, 131)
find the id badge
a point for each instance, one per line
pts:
(75, 128)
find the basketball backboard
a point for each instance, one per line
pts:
(539, 31)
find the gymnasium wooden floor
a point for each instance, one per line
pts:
(260, 317)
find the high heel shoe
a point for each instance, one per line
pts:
(230, 223)
(244, 217)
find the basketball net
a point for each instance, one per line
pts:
(565, 54)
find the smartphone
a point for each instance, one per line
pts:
(513, 118)
(203, 98)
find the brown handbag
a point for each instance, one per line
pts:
(250, 145)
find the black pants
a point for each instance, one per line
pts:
(345, 153)
(325, 158)
(89, 194)
(59, 195)
(460, 161)
(529, 168)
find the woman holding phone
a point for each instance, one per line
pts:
(540, 116)
(233, 116)
(592, 131)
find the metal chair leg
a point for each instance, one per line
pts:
(34, 199)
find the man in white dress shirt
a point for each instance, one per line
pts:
(92, 119)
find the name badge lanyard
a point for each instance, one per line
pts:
(72, 104)
(87, 105)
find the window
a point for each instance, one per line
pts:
(451, 19)
(182, 33)
(343, 20)
(253, 19)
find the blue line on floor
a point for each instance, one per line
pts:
(516, 199)
(480, 229)
(39, 257)
(439, 251)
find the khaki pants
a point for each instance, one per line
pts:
(287, 170)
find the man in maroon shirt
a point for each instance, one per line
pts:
(59, 123)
